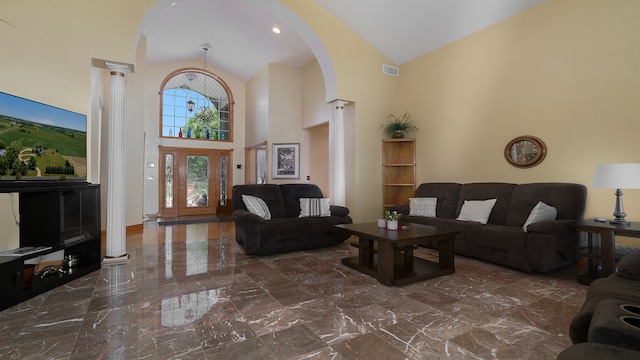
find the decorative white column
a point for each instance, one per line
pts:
(337, 168)
(116, 196)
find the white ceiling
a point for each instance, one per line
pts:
(241, 41)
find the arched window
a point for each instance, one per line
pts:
(195, 104)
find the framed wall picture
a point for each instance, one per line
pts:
(286, 161)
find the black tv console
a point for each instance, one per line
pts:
(57, 219)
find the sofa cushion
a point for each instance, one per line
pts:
(476, 210)
(613, 286)
(257, 206)
(483, 191)
(339, 211)
(291, 194)
(460, 245)
(283, 235)
(269, 193)
(504, 245)
(447, 195)
(595, 351)
(314, 207)
(568, 199)
(608, 327)
(322, 231)
(423, 206)
(629, 267)
(539, 213)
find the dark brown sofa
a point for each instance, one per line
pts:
(285, 232)
(545, 246)
(599, 323)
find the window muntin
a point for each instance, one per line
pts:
(212, 114)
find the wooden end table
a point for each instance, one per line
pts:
(388, 254)
(605, 253)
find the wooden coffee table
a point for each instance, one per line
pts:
(388, 255)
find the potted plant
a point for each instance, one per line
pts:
(397, 127)
(392, 219)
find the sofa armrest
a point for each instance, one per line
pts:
(401, 209)
(244, 216)
(337, 210)
(555, 227)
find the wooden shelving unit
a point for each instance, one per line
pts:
(398, 171)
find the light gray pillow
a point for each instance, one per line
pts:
(257, 206)
(540, 212)
(314, 207)
(423, 206)
(476, 210)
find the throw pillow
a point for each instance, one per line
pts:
(314, 207)
(257, 206)
(629, 266)
(422, 206)
(476, 210)
(540, 212)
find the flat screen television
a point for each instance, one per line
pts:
(40, 141)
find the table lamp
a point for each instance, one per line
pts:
(617, 176)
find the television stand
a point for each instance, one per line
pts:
(59, 220)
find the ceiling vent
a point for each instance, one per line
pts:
(389, 70)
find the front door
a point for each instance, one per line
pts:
(192, 181)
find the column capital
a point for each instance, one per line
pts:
(118, 69)
(339, 103)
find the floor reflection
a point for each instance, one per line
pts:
(189, 292)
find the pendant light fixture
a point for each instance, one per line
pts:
(190, 104)
(206, 97)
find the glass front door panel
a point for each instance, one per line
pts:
(168, 180)
(197, 181)
(192, 181)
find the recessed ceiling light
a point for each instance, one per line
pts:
(276, 30)
(173, 3)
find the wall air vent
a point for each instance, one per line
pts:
(389, 70)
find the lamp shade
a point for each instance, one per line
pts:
(617, 176)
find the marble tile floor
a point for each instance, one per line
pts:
(188, 292)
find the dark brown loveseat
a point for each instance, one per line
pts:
(546, 245)
(286, 231)
(599, 330)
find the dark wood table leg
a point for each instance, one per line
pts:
(590, 266)
(607, 252)
(365, 251)
(446, 254)
(408, 257)
(385, 263)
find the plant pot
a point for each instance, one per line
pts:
(392, 224)
(398, 134)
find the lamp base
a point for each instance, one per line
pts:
(620, 222)
(618, 212)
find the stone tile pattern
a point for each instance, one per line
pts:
(204, 299)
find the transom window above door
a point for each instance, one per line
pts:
(195, 104)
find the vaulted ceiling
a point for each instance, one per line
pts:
(238, 32)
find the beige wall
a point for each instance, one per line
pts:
(319, 157)
(315, 109)
(316, 113)
(48, 59)
(372, 95)
(9, 220)
(257, 107)
(565, 71)
(285, 111)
